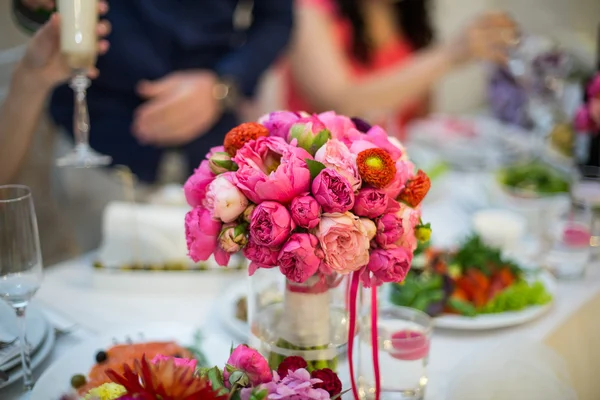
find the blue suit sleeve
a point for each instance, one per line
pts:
(267, 37)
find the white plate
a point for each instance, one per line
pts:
(37, 358)
(228, 308)
(80, 359)
(37, 329)
(501, 320)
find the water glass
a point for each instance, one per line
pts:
(20, 260)
(585, 195)
(404, 337)
(569, 254)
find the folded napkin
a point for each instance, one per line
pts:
(517, 368)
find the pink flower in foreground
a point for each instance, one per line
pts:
(201, 233)
(335, 155)
(297, 385)
(260, 256)
(405, 170)
(333, 191)
(370, 203)
(306, 212)
(179, 362)
(338, 125)
(344, 242)
(271, 169)
(300, 257)
(389, 231)
(251, 363)
(386, 266)
(224, 200)
(271, 224)
(195, 187)
(279, 122)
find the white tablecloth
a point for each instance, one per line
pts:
(68, 291)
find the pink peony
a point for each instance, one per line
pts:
(271, 169)
(260, 256)
(344, 242)
(386, 266)
(179, 362)
(279, 122)
(335, 155)
(370, 203)
(361, 145)
(251, 363)
(340, 126)
(306, 212)
(224, 200)
(333, 191)
(405, 170)
(300, 257)
(195, 186)
(410, 219)
(389, 231)
(201, 233)
(271, 224)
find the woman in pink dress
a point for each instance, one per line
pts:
(377, 58)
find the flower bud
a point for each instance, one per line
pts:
(221, 162)
(310, 133)
(233, 238)
(423, 233)
(247, 215)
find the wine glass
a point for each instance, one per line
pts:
(78, 42)
(20, 260)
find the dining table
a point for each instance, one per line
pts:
(82, 306)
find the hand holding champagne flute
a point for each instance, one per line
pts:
(79, 46)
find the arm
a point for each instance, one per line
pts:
(324, 77)
(268, 35)
(19, 117)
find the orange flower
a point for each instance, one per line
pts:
(163, 381)
(242, 134)
(376, 167)
(416, 189)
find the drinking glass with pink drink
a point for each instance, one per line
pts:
(404, 337)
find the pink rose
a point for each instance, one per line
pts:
(271, 224)
(260, 256)
(179, 362)
(306, 212)
(271, 169)
(333, 191)
(386, 266)
(344, 242)
(300, 258)
(335, 155)
(339, 125)
(405, 170)
(201, 233)
(370, 203)
(389, 231)
(251, 363)
(224, 200)
(195, 186)
(279, 122)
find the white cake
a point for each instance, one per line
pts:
(146, 235)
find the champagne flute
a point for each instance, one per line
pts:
(20, 260)
(78, 43)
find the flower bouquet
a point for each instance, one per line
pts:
(329, 201)
(246, 376)
(587, 118)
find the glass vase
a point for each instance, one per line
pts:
(309, 320)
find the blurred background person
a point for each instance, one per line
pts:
(173, 81)
(378, 59)
(41, 68)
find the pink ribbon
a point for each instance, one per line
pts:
(354, 284)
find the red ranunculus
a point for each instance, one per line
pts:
(291, 363)
(331, 382)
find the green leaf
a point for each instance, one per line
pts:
(463, 307)
(319, 140)
(216, 378)
(259, 395)
(314, 167)
(339, 396)
(231, 349)
(239, 378)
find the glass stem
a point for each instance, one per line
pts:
(25, 356)
(81, 118)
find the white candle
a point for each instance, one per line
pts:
(79, 19)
